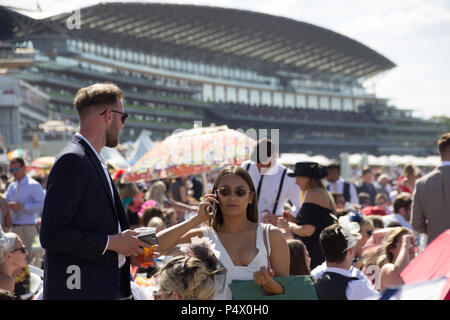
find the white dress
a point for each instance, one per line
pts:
(238, 272)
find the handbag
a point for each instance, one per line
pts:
(295, 287)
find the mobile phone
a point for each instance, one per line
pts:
(214, 210)
(148, 237)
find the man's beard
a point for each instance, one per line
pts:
(112, 139)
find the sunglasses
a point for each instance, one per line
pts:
(123, 118)
(225, 192)
(23, 249)
(14, 170)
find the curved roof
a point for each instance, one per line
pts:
(262, 42)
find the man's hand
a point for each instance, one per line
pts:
(136, 262)
(15, 206)
(127, 243)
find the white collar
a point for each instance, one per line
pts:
(99, 156)
(341, 271)
(271, 171)
(445, 164)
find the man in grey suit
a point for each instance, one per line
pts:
(431, 198)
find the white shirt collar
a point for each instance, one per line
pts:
(99, 156)
(445, 164)
(341, 271)
(270, 171)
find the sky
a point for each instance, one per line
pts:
(414, 34)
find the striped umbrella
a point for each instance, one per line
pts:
(191, 152)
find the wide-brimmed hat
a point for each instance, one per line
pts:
(309, 169)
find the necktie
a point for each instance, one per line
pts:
(16, 196)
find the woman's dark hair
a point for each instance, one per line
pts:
(298, 266)
(252, 209)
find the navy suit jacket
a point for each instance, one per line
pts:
(79, 213)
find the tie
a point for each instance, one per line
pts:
(16, 196)
(335, 186)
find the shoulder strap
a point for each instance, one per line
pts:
(258, 191)
(247, 166)
(279, 191)
(266, 229)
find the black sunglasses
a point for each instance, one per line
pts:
(225, 192)
(23, 249)
(123, 118)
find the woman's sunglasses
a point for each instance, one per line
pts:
(123, 118)
(23, 249)
(225, 192)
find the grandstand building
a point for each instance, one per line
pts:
(182, 63)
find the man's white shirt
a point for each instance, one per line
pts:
(121, 258)
(340, 189)
(357, 289)
(269, 188)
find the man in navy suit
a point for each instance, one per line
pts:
(84, 227)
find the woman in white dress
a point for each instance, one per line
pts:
(238, 236)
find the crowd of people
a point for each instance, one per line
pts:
(257, 221)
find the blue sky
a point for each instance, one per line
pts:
(414, 34)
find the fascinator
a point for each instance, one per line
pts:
(7, 241)
(350, 230)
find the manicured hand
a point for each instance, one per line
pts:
(205, 209)
(263, 276)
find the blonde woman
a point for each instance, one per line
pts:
(317, 211)
(189, 276)
(408, 179)
(398, 251)
(13, 256)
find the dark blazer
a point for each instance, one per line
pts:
(79, 213)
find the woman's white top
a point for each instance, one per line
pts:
(238, 272)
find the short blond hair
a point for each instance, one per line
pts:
(97, 94)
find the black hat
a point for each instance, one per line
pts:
(309, 169)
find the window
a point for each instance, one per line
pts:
(220, 94)
(348, 105)
(278, 99)
(254, 97)
(325, 103)
(267, 98)
(243, 95)
(301, 101)
(336, 103)
(207, 92)
(231, 94)
(312, 102)
(289, 100)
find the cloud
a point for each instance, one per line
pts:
(398, 22)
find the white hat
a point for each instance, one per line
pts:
(382, 176)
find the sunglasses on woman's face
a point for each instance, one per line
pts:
(225, 192)
(23, 249)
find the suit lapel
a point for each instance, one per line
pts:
(98, 168)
